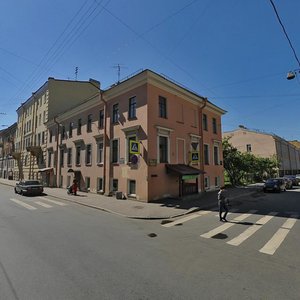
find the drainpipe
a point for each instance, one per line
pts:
(202, 142)
(57, 144)
(101, 99)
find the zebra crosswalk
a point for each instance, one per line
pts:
(271, 245)
(34, 205)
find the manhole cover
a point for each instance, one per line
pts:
(152, 234)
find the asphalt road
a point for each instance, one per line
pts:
(60, 250)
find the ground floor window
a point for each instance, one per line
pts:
(99, 184)
(115, 184)
(206, 182)
(217, 181)
(61, 181)
(132, 188)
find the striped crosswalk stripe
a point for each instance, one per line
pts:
(251, 230)
(53, 201)
(43, 204)
(26, 205)
(187, 218)
(226, 226)
(273, 244)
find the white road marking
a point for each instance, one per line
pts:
(225, 226)
(43, 204)
(53, 201)
(23, 204)
(273, 244)
(187, 218)
(251, 230)
(232, 211)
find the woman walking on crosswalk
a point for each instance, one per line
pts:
(223, 204)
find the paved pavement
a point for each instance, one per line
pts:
(164, 209)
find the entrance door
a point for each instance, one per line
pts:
(180, 149)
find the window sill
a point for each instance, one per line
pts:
(100, 164)
(88, 165)
(78, 165)
(132, 118)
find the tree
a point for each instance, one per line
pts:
(246, 167)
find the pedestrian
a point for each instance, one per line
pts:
(74, 187)
(223, 204)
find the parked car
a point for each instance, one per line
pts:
(29, 187)
(288, 182)
(274, 185)
(294, 179)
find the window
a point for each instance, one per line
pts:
(99, 184)
(115, 151)
(115, 185)
(214, 125)
(216, 155)
(163, 149)
(162, 107)
(49, 158)
(88, 157)
(89, 123)
(79, 124)
(69, 159)
(248, 146)
(101, 119)
(132, 188)
(206, 154)
(132, 108)
(206, 182)
(204, 122)
(43, 137)
(217, 181)
(115, 117)
(100, 152)
(61, 159)
(78, 150)
(71, 125)
(50, 136)
(63, 132)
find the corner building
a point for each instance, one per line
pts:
(145, 137)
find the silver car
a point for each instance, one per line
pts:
(29, 187)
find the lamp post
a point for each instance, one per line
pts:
(292, 74)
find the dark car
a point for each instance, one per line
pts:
(274, 185)
(288, 182)
(294, 179)
(29, 187)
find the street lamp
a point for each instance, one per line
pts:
(292, 74)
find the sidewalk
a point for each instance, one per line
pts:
(164, 209)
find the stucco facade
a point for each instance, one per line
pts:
(159, 118)
(267, 145)
(54, 97)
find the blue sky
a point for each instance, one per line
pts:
(233, 52)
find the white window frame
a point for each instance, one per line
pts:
(100, 155)
(111, 151)
(168, 148)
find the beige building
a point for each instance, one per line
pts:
(31, 138)
(146, 137)
(7, 163)
(267, 145)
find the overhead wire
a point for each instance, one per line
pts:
(285, 32)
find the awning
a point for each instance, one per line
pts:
(45, 170)
(183, 170)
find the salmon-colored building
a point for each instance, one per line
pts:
(145, 138)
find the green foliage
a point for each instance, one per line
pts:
(243, 168)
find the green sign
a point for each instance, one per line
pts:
(134, 147)
(185, 177)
